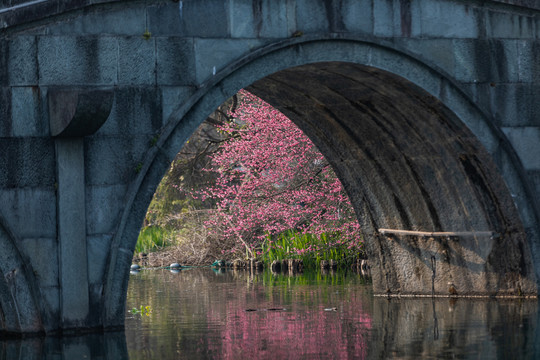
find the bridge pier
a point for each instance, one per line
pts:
(73, 115)
(73, 266)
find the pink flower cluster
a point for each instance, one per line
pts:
(271, 178)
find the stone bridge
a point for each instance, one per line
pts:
(428, 110)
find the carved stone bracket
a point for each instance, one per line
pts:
(78, 112)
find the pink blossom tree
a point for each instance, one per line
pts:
(270, 178)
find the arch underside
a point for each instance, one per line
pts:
(408, 163)
(404, 157)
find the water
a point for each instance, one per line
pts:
(200, 313)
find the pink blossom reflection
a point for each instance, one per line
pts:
(298, 332)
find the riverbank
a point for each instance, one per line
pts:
(173, 254)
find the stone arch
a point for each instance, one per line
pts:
(467, 139)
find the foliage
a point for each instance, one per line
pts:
(269, 178)
(247, 176)
(311, 249)
(153, 238)
(143, 310)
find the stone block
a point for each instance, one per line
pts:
(242, 21)
(515, 105)
(104, 205)
(534, 176)
(27, 162)
(485, 61)
(112, 160)
(525, 141)
(4, 62)
(357, 15)
(431, 51)
(214, 54)
(204, 18)
(164, 18)
(314, 16)
(23, 67)
(469, 115)
(173, 98)
(406, 68)
(507, 25)
(129, 20)
(383, 18)
(43, 255)
(51, 298)
(70, 60)
(175, 61)
(396, 18)
(30, 212)
(5, 112)
(528, 53)
(136, 61)
(136, 110)
(267, 18)
(447, 19)
(98, 256)
(26, 106)
(481, 95)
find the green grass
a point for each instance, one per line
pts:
(153, 238)
(310, 248)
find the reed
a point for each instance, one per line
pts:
(310, 248)
(154, 238)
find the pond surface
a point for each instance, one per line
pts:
(201, 313)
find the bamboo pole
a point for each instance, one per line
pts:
(436, 234)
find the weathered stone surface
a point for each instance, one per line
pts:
(23, 67)
(137, 61)
(78, 112)
(175, 61)
(71, 60)
(114, 160)
(27, 104)
(44, 255)
(98, 249)
(195, 18)
(427, 110)
(136, 111)
(73, 257)
(30, 211)
(172, 98)
(26, 162)
(124, 21)
(165, 18)
(526, 142)
(104, 204)
(5, 112)
(502, 25)
(271, 19)
(440, 18)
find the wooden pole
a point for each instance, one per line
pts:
(436, 234)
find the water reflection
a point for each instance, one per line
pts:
(200, 313)
(204, 316)
(110, 345)
(450, 328)
(203, 313)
